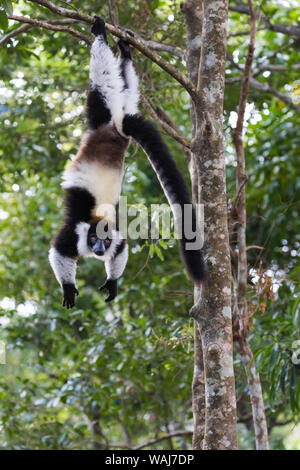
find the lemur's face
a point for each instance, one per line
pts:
(97, 245)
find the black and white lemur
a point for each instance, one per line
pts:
(93, 179)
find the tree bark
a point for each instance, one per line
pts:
(198, 392)
(193, 15)
(212, 310)
(241, 308)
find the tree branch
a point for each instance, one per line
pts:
(261, 86)
(292, 30)
(135, 41)
(53, 27)
(281, 96)
(241, 317)
(174, 50)
(276, 68)
(167, 128)
(21, 29)
(162, 438)
(25, 27)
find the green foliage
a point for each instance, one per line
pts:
(7, 6)
(3, 20)
(129, 366)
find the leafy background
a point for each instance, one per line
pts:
(101, 376)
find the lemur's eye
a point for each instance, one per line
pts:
(93, 239)
(107, 242)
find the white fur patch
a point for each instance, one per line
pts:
(63, 267)
(82, 229)
(105, 75)
(115, 266)
(102, 182)
(132, 93)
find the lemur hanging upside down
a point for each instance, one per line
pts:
(93, 180)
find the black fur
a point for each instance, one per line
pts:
(79, 204)
(125, 56)
(66, 241)
(98, 28)
(112, 286)
(120, 248)
(146, 134)
(96, 110)
(124, 48)
(69, 291)
(122, 68)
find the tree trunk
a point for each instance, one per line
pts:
(193, 16)
(256, 395)
(241, 309)
(212, 310)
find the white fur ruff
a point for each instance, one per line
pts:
(82, 229)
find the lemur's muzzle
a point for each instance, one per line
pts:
(99, 248)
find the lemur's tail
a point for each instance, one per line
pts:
(146, 134)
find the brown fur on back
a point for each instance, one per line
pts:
(105, 145)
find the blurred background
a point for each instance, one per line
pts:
(116, 376)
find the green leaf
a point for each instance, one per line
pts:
(159, 252)
(7, 5)
(293, 386)
(3, 20)
(151, 251)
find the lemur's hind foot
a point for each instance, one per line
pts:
(98, 28)
(112, 287)
(124, 45)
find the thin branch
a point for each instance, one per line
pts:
(52, 27)
(162, 438)
(64, 11)
(276, 406)
(281, 96)
(276, 68)
(241, 317)
(292, 30)
(242, 33)
(113, 12)
(152, 441)
(180, 292)
(21, 29)
(174, 50)
(135, 41)
(167, 128)
(25, 27)
(264, 87)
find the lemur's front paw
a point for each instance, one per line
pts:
(69, 291)
(112, 286)
(98, 27)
